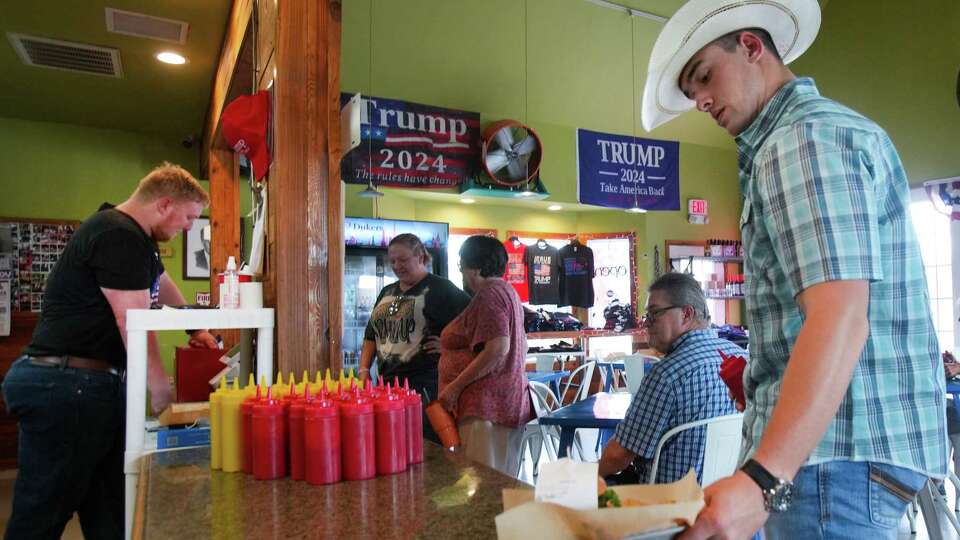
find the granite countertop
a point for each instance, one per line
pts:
(446, 496)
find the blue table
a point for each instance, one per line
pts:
(599, 411)
(549, 377)
(953, 388)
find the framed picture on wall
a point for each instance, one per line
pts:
(196, 250)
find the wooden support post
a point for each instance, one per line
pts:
(305, 239)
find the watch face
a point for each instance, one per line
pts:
(780, 497)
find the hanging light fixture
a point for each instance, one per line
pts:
(635, 209)
(370, 192)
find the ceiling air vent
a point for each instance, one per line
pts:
(147, 26)
(52, 53)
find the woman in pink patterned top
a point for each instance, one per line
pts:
(482, 360)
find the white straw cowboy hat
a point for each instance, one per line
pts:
(793, 24)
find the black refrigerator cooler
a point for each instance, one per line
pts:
(367, 270)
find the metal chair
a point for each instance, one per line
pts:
(721, 447)
(536, 436)
(544, 361)
(608, 375)
(634, 366)
(583, 390)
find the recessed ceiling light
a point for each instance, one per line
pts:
(467, 200)
(168, 57)
(554, 207)
(637, 210)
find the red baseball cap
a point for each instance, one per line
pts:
(244, 124)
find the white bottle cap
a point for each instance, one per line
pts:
(231, 263)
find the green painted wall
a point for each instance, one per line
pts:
(884, 62)
(556, 65)
(64, 171)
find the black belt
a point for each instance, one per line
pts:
(76, 362)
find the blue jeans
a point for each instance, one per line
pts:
(846, 499)
(425, 383)
(71, 427)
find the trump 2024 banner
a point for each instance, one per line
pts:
(405, 144)
(620, 171)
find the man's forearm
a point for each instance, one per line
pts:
(614, 459)
(816, 378)
(155, 371)
(169, 294)
(490, 358)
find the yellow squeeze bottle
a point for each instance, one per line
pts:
(231, 442)
(317, 384)
(331, 386)
(251, 387)
(278, 390)
(304, 381)
(216, 430)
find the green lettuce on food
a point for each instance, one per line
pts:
(608, 499)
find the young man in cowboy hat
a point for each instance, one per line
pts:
(844, 387)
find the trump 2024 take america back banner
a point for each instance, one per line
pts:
(405, 144)
(620, 171)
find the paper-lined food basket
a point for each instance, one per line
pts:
(646, 508)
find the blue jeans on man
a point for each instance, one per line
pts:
(854, 500)
(70, 452)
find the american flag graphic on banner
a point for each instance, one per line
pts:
(404, 144)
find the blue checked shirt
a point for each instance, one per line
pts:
(826, 198)
(685, 386)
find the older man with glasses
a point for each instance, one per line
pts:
(683, 387)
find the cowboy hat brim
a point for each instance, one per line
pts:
(792, 24)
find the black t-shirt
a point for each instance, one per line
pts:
(576, 276)
(109, 250)
(399, 323)
(543, 273)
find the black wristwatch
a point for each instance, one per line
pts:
(777, 492)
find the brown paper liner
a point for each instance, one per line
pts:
(666, 505)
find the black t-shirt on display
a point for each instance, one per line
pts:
(543, 273)
(109, 250)
(576, 276)
(400, 321)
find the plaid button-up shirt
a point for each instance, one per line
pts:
(826, 198)
(684, 386)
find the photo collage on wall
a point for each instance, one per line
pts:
(28, 252)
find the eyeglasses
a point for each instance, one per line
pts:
(652, 315)
(395, 305)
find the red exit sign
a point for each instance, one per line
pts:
(697, 207)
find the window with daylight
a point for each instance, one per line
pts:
(933, 232)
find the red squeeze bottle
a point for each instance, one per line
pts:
(372, 392)
(246, 429)
(296, 427)
(357, 438)
(414, 407)
(391, 428)
(269, 440)
(321, 441)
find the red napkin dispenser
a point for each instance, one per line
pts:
(193, 368)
